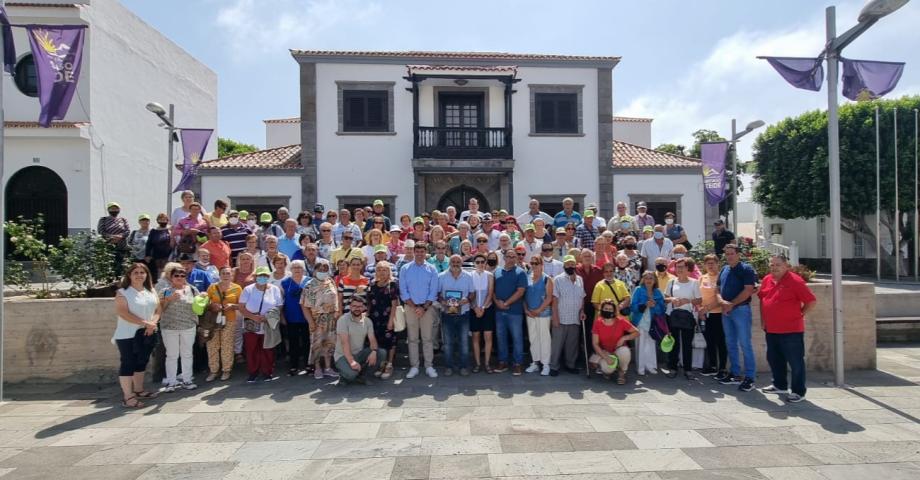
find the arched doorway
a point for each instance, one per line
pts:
(35, 190)
(460, 197)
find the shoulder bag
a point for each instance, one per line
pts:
(680, 318)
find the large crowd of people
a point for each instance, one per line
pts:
(331, 293)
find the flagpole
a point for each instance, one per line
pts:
(2, 215)
(170, 129)
(897, 214)
(878, 204)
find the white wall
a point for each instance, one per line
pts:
(215, 187)
(636, 133)
(281, 134)
(692, 215)
(805, 232)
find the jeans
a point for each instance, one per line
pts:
(737, 325)
(348, 374)
(783, 348)
(179, 344)
(456, 328)
(512, 323)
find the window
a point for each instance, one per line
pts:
(556, 113)
(365, 111)
(26, 78)
(859, 246)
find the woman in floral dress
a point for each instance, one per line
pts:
(384, 298)
(320, 300)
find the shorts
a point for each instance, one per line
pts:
(484, 324)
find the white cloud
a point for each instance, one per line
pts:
(254, 28)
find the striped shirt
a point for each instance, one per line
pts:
(111, 226)
(236, 238)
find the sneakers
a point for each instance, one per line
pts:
(448, 372)
(225, 376)
(413, 372)
(387, 372)
(292, 372)
(708, 372)
(318, 374)
(169, 388)
(730, 380)
(210, 378)
(270, 378)
(747, 385)
(431, 372)
(794, 398)
(252, 379)
(545, 371)
(533, 368)
(330, 373)
(189, 385)
(518, 370)
(773, 389)
(502, 367)
(464, 372)
(722, 375)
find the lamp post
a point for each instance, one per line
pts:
(735, 137)
(869, 15)
(168, 120)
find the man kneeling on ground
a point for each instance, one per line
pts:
(352, 359)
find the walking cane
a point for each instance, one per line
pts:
(584, 344)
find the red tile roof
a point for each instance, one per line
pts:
(627, 155)
(17, 124)
(466, 68)
(632, 119)
(455, 55)
(283, 120)
(280, 158)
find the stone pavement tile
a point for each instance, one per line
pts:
(9, 452)
(422, 414)
(315, 431)
(280, 451)
(4, 471)
(900, 402)
(364, 415)
(411, 468)
(750, 456)
(529, 464)
(218, 406)
(230, 418)
(681, 422)
(107, 472)
(188, 452)
(829, 453)
(574, 463)
(887, 471)
(530, 425)
(589, 441)
(117, 454)
(655, 460)
(424, 429)
(157, 419)
(494, 400)
(849, 403)
(350, 469)
(573, 411)
(269, 471)
(298, 418)
(40, 409)
(49, 456)
(657, 439)
(459, 466)
(533, 443)
(102, 420)
(697, 407)
(818, 434)
(476, 444)
(876, 452)
(768, 419)
(176, 406)
(617, 423)
(791, 473)
(723, 437)
(502, 412)
(20, 423)
(367, 448)
(179, 434)
(188, 471)
(728, 474)
(428, 401)
(98, 436)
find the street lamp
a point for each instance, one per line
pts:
(735, 136)
(168, 123)
(871, 13)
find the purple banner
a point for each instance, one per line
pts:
(194, 143)
(9, 49)
(806, 73)
(874, 78)
(58, 52)
(713, 156)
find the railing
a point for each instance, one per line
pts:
(791, 251)
(441, 142)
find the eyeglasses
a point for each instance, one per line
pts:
(550, 249)
(607, 311)
(325, 230)
(179, 275)
(348, 238)
(482, 240)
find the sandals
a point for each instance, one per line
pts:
(145, 394)
(489, 369)
(621, 379)
(476, 369)
(387, 372)
(126, 403)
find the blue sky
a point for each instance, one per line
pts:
(689, 65)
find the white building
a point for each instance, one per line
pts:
(424, 130)
(109, 147)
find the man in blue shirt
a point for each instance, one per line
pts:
(194, 275)
(287, 243)
(567, 215)
(298, 334)
(736, 285)
(510, 284)
(455, 293)
(418, 289)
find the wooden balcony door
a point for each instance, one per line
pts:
(460, 112)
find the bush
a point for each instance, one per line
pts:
(803, 271)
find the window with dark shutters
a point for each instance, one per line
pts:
(365, 111)
(556, 112)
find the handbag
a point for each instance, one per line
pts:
(699, 341)
(680, 318)
(659, 327)
(251, 325)
(399, 323)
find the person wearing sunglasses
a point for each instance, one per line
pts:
(482, 317)
(178, 325)
(538, 299)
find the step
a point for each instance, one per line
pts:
(897, 303)
(897, 329)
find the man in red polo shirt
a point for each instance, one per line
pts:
(784, 301)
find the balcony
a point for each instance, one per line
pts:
(446, 142)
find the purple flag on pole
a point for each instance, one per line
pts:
(58, 52)
(713, 156)
(9, 49)
(805, 73)
(194, 143)
(876, 78)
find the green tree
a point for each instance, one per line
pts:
(702, 136)
(672, 148)
(792, 171)
(226, 146)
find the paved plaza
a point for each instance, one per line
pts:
(481, 426)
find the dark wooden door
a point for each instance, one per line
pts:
(38, 190)
(460, 197)
(459, 112)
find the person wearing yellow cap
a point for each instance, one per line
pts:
(568, 316)
(137, 240)
(585, 232)
(115, 229)
(378, 212)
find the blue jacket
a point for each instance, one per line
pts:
(639, 297)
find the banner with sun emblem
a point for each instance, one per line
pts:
(58, 52)
(713, 157)
(194, 143)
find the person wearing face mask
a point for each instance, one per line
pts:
(631, 251)
(567, 316)
(661, 273)
(137, 240)
(320, 301)
(115, 229)
(608, 339)
(657, 246)
(235, 233)
(159, 246)
(680, 252)
(255, 303)
(622, 220)
(643, 218)
(551, 266)
(675, 232)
